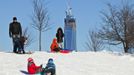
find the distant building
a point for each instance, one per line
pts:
(70, 31)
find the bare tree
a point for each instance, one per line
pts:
(118, 25)
(28, 37)
(40, 18)
(94, 43)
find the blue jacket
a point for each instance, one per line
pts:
(50, 65)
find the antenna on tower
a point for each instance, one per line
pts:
(68, 3)
(69, 9)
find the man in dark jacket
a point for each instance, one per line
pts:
(15, 31)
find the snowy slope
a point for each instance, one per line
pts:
(81, 63)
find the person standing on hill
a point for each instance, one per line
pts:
(15, 32)
(59, 36)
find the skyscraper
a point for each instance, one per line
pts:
(70, 30)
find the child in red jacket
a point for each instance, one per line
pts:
(32, 68)
(54, 46)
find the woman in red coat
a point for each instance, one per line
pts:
(32, 68)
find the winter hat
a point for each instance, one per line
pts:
(54, 40)
(30, 60)
(14, 18)
(50, 60)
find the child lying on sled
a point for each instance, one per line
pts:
(32, 68)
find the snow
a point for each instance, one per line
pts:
(75, 63)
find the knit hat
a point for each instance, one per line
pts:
(14, 18)
(30, 60)
(50, 60)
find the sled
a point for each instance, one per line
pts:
(26, 53)
(26, 73)
(29, 52)
(64, 51)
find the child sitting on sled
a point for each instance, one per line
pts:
(54, 46)
(50, 68)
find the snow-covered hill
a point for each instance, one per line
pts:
(80, 63)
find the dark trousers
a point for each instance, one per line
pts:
(21, 48)
(51, 70)
(57, 49)
(15, 43)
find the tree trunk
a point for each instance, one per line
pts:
(126, 49)
(125, 45)
(39, 40)
(125, 41)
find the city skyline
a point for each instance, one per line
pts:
(87, 14)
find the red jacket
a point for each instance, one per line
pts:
(32, 68)
(54, 45)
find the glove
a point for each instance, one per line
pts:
(41, 65)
